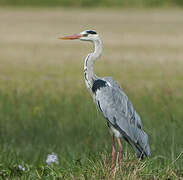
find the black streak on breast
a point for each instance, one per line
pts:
(99, 106)
(87, 60)
(85, 76)
(98, 84)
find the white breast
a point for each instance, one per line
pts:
(114, 131)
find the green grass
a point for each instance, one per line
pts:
(33, 126)
(45, 106)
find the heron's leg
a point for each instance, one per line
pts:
(120, 152)
(113, 153)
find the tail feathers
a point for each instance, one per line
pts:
(138, 140)
(138, 152)
(141, 147)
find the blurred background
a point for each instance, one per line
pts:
(94, 3)
(44, 104)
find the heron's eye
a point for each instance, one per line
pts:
(85, 35)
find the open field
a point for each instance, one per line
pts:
(45, 106)
(93, 3)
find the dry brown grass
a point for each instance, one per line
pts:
(139, 45)
(142, 48)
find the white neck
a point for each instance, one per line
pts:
(89, 61)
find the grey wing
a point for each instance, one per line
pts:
(117, 109)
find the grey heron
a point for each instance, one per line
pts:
(113, 103)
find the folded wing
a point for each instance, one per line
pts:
(118, 110)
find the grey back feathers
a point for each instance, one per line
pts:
(113, 103)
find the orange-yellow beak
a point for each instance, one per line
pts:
(72, 37)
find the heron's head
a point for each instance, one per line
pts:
(88, 35)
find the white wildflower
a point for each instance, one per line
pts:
(52, 158)
(21, 168)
